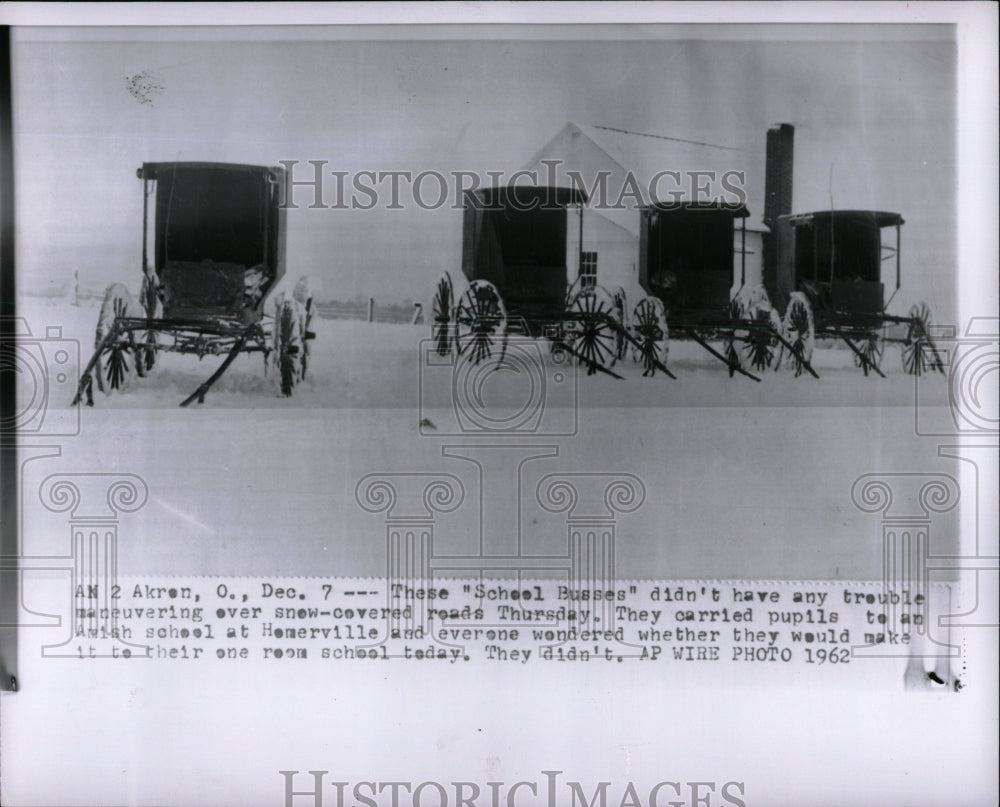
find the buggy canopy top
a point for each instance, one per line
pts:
(876, 218)
(836, 257)
(686, 253)
(515, 238)
(525, 197)
(738, 210)
(218, 234)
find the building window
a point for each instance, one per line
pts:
(588, 270)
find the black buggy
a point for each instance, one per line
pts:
(213, 245)
(826, 284)
(514, 258)
(832, 263)
(687, 264)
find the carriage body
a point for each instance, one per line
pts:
(688, 265)
(687, 260)
(213, 252)
(216, 232)
(836, 258)
(828, 283)
(516, 260)
(515, 238)
(841, 262)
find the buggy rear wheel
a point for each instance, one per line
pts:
(651, 334)
(481, 323)
(800, 331)
(592, 328)
(919, 354)
(869, 356)
(442, 306)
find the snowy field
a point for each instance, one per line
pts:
(360, 364)
(253, 483)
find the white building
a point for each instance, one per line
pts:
(623, 171)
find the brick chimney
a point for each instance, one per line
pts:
(778, 173)
(777, 199)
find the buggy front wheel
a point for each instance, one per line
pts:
(303, 297)
(650, 335)
(481, 323)
(800, 331)
(592, 328)
(621, 317)
(119, 357)
(442, 306)
(762, 334)
(289, 353)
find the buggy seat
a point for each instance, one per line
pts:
(198, 289)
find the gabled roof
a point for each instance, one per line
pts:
(639, 161)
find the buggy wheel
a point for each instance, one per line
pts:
(592, 328)
(441, 306)
(651, 335)
(800, 331)
(481, 323)
(146, 355)
(307, 335)
(870, 352)
(288, 351)
(304, 310)
(919, 353)
(621, 317)
(145, 358)
(764, 325)
(732, 354)
(116, 363)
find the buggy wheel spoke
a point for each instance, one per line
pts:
(441, 306)
(590, 327)
(649, 337)
(799, 333)
(919, 352)
(480, 323)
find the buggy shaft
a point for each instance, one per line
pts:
(861, 356)
(590, 363)
(798, 355)
(656, 362)
(694, 335)
(204, 387)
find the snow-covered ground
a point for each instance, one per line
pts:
(360, 364)
(742, 479)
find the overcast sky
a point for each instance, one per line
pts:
(876, 104)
